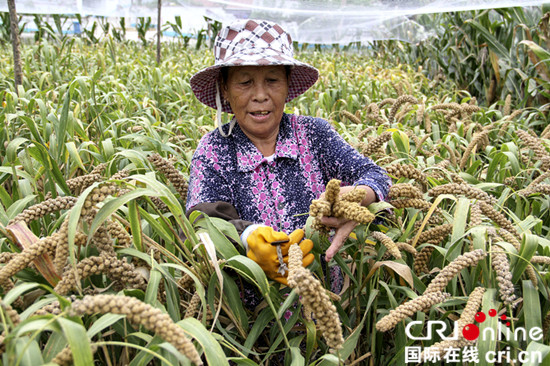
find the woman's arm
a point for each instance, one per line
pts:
(341, 161)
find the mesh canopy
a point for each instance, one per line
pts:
(310, 21)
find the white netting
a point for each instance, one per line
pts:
(310, 21)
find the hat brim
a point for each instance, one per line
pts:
(205, 82)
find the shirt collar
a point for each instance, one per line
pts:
(249, 157)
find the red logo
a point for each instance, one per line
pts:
(471, 331)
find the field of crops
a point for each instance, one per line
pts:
(100, 264)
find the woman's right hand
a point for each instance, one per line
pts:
(263, 250)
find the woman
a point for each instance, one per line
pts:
(262, 170)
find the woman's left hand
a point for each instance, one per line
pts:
(343, 228)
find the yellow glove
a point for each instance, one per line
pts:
(262, 244)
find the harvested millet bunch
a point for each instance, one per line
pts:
(421, 260)
(171, 173)
(333, 205)
(461, 189)
(388, 243)
(405, 190)
(498, 218)
(476, 141)
(138, 313)
(501, 265)
(406, 171)
(332, 191)
(115, 269)
(314, 298)
(537, 188)
(44, 208)
(410, 308)
(468, 259)
(376, 144)
(352, 211)
(398, 103)
(356, 195)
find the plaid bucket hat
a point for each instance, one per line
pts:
(254, 43)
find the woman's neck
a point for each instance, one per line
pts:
(266, 145)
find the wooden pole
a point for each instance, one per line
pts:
(17, 71)
(159, 31)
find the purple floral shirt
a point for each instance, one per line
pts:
(309, 153)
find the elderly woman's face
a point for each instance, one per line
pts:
(257, 96)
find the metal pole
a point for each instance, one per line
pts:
(18, 74)
(159, 31)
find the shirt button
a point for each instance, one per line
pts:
(280, 205)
